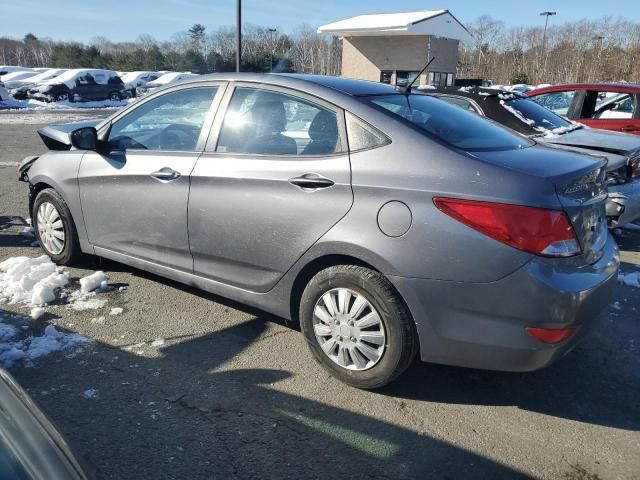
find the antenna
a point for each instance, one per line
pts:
(407, 89)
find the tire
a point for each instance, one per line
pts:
(70, 252)
(115, 96)
(62, 97)
(395, 333)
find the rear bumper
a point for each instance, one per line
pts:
(483, 325)
(625, 199)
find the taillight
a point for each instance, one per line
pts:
(535, 230)
(551, 335)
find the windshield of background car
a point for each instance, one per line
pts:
(449, 123)
(541, 117)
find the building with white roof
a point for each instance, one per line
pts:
(394, 47)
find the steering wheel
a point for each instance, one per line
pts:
(178, 137)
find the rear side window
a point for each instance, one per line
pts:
(557, 102)
(450, 124)
(363, 136)
(264, 122)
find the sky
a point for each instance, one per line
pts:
(121, 20)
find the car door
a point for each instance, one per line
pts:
(134, 198)
(611, 109)
(274, 178)
(84, 87)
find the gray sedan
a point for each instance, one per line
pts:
(387, 223)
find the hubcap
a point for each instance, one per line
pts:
(348, 329)
(50, 228)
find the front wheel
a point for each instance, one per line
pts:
(115, 96)
(54, 228)
(357, 326)
(62, 97)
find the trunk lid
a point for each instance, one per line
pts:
(580, 186)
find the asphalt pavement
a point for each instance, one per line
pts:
(192, 386)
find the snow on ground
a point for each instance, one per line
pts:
(629, 279)
(31, 281)
(34, 283)
(31, 104)
(32, 348)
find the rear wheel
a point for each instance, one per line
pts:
(54, 228)
(357, 326)
(62, 97)
(115, 96)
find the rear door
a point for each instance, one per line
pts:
(274, 178)
(134, 199)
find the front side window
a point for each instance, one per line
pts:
(449, 123)
(264, 122)
(557, 102)
(170, 122)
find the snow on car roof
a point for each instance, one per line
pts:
(19, 75)
(131, 76)
(45, 75)
(69, 77)
(172, 77)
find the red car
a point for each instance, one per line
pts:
(609, 106)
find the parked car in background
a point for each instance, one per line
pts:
(520, 88)
(387, 223)
(20, 88)
(80, 85)
(162, 81)
(609, 106)
(529, 118)
(134, 80)
(17, 75)
(30, 446)
(4, 69)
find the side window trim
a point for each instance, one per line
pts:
(105, 129)
(470, 101)
(212, 141)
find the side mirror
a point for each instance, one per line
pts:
(85, 138)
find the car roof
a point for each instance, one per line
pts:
(348, 86)
(614, 86)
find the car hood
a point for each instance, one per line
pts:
(57, 137)
(601, 140)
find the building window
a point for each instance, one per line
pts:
(385, 76)
(440, 79)
(405, 77)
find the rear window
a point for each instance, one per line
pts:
(453, 125)
(536, 115)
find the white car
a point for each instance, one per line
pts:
(164, 80)
(133, 80)
(19, 88)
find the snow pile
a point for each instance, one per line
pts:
(629, 279)
(31, 281)
(32, 104)
(32, 348)
(116, 311)
(93, 281)
(37, 312)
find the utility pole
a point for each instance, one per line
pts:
(238, 34)
(271, 32)
(544, 39)
(546, 22)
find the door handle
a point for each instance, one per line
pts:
(165, 174)
(311, 181)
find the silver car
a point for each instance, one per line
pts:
(387, 223)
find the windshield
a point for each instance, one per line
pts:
(451, 124)
(536, 116)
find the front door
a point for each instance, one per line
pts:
(274, 180)
(612, 110)
(134, 199)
